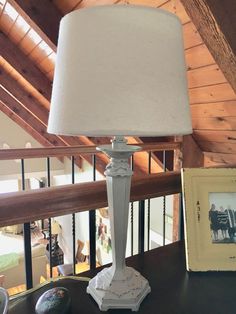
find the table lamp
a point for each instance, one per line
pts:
(120, 71)
(55, 230)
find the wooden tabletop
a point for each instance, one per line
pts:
(174, 290)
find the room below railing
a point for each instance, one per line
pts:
(53, 201)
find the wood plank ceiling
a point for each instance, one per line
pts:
(28, 40)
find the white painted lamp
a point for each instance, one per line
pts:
(120, 71)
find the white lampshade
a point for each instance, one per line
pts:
(120, 70)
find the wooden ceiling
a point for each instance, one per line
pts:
(28, 39)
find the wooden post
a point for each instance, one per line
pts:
(188, 156)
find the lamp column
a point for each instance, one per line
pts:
(118, 286)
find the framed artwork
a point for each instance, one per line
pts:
(210, 218)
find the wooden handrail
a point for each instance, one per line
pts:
(7, 154)
(25, 206)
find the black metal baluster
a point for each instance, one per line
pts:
(149, 202)
(141, 226)
(92, 227)
(164, 202)
(132, 214)
(49, 220)
(27, 239)
(73, 215)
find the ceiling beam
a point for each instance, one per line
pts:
(26, 67)
(32, 104)
(216, 23)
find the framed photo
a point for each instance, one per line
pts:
(210, 218)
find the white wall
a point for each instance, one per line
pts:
(14, 136)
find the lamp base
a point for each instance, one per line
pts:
(110, 293)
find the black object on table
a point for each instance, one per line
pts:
(57, 256)
(54, 301)
(174, 290)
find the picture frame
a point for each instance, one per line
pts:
(209, 201)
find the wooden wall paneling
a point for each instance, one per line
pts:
(216, 23)
(56, 201)
(208, 75)
(176, 7)
(219, 159)
(222, 136)
(214, 123)
(214, 109)
(216, 147)
(191, 36)
(24, 66)
(198, 56)
(43, 16)
(214, 93)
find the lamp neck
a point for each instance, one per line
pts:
(118, 142)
